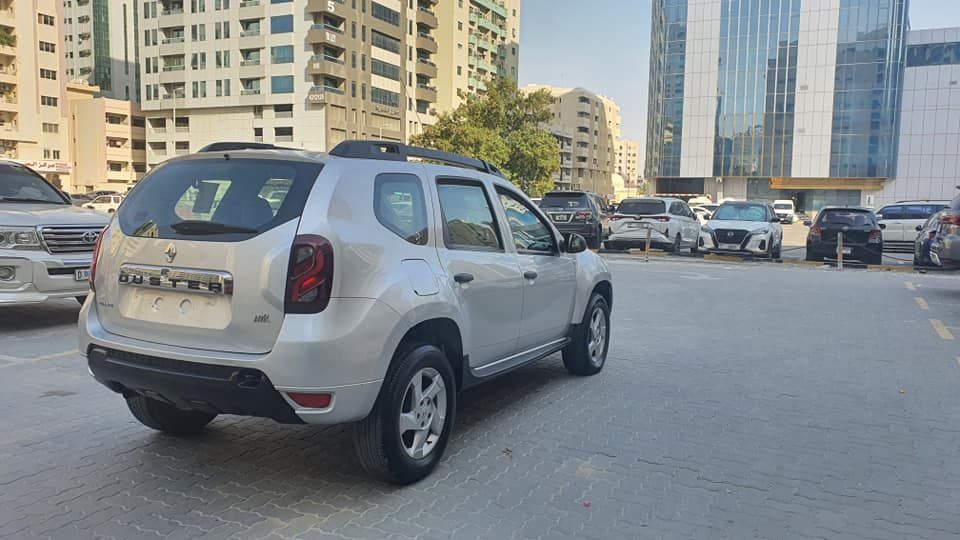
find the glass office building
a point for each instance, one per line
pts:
(775, 99)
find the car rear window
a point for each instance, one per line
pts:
(564, 200)
(783, 206)
(849, 218)
(217, 199)
(643, 208)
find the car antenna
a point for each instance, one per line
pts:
(226, 157)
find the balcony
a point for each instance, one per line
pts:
(8, 102)
(250, 32)
(173, 39)
(329, 6)
(492, 6)
(8, 74)
(252, 8)
(425, 42)
(171, 17)
(427, 17)
(8, 152)
(320, 34)
(7, 17)
(322, 95)
(426, 93)
(250, 92)
(324, 65)
(252, 68)
(426, 68)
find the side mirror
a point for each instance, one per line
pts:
(884, 226)
(774, 219)
(808, 223)
(575, 243)
(918, 228)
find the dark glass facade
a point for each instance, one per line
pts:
(668, 47)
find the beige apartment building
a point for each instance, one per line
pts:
(33, 110)
(628, 158)
(301, 73)
(478, 39)
(594, 121)
(108, 141)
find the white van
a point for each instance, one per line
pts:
(785, 210)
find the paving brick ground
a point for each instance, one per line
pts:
(738, 402)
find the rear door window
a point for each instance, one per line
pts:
(217, 199)
(400, 206)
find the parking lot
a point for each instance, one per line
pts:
(738, 401)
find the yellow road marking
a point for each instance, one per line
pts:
(922, 303)
(941, 330)
(910, 285)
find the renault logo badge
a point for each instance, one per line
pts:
(170, 253)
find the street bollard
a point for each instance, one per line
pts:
(840, 251)
(646, 249)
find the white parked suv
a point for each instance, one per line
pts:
(900, 221)
(45, 242)
(373, 293)
(105, 203)
(785, 211)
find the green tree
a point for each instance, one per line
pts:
(502, 126)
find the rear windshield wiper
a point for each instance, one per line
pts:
(29, 200)
(209, 227)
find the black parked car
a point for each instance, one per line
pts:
(862, 236)
(580, 212)
(926, 234)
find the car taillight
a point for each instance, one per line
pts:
(582, 216)
(875, 236)
(815, 231)
(93, 261)
(310, 275)
(950, 219)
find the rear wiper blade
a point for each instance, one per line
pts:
(28, 200)
(209, 227)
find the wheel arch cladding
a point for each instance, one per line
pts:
(605, 289)
(441, 332)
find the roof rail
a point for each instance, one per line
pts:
(394, 151)
(229, 146)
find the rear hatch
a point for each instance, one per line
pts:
(855, 225)
(199, 252)
(563, 208)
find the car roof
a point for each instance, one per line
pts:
(568, 192)
(650, 198)
(921, 201)
(854, 208)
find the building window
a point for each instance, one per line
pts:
(199, 61)
(48, 74)
(45, 19)
(198, 6)
(51, 128)
(198, 32)
(282, 84)
(384, 97)
(384, 13)
(46, 46)
(384, 42)
(390, 71)
(283, 134)
(281, 55)
(48, 101)
(281, 24)
(199, 89)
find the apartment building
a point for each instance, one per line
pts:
(628, 158)
(563, 178)
(301, 73)
(478, 39)
(594, 121)
(108, 141)
(33, 111)
(100, 45)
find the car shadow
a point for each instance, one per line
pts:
(39, 316)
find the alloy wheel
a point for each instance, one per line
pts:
(423, 413)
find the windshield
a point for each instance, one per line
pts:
(222, 200)
(564, 200)
(19, 184)
(847, 218)
(741, 212)
(642, 207)
(783, 206)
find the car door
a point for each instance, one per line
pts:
(691, 229)
(485, 275)
(549, 277)
(891, 218)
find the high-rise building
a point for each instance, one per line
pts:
(478, 39)
(100, 45)
(594, 121)
(33, 110)
(628, 157)
(301, 73)
(785, 99)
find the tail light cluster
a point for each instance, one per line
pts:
(875, 236)
(815, 231)
(310, 275)
(950, 223)
(93, 261)
(582, 216)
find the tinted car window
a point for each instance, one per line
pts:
(783, 206)
(399, 205)
(847, 218)
(890, 212)
(642, 207)
(19, 184)
(528, 231)
(920, 211)
(565, 200)
(217, 199)
(468, 218)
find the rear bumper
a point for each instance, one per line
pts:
(310, 355)
(945, 251)
(862, 253)
(637, 239)
(39, 276)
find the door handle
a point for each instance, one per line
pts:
(463, 277)
(530, 274)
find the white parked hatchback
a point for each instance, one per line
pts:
(373, 292)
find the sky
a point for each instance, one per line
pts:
(604, 46)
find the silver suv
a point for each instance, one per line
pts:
(45, 242)
(355, 286)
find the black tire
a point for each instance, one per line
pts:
(875, 259)
(81, 299)
(164, 417)
(813, 258)
(377, 438)
(576, 356)
(677, 243)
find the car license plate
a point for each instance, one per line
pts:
(560, 218)
(81, 275)
(730, 247)
(847, 251)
